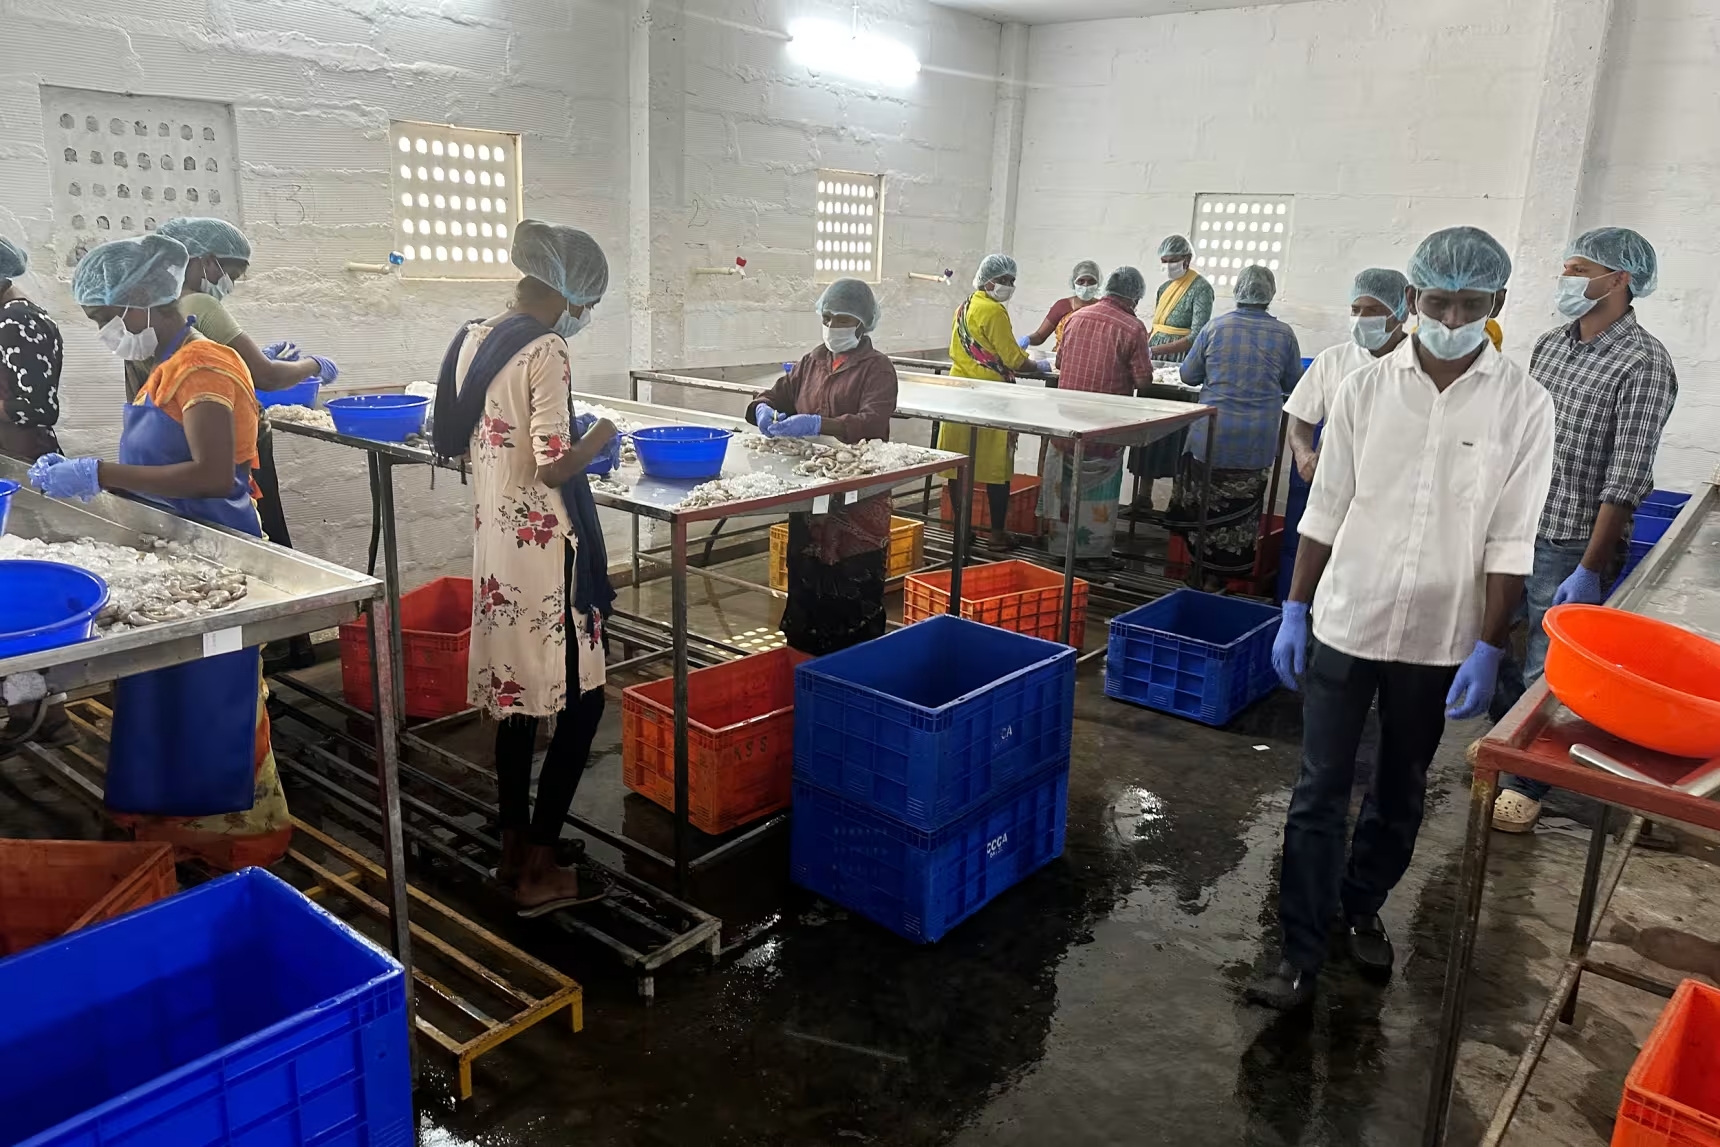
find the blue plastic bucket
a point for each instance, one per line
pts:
(304, 394)
(44, 605)
(7, 489)
(379, 417)
(682, 453)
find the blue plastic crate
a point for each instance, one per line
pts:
(1198, 655)
(918, 884)
(926, 723)
(1666, 504)
(235, 1013)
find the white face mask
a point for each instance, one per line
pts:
(1572, 300)
(220, 289)
(841, 340)
(571, 324)
(1450, 343)
(1001, 292)
(1087, 292)
(132, 346)
(1176, 270)
(1370, 331)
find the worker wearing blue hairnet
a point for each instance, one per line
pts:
(1613, 386)
(844, 388)
(1085, 288)
(188, 445)
(1415, 544)
(1378, 307)
(1182, 308)
(983, 345)
(31, 355)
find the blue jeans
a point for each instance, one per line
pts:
(1554, 562)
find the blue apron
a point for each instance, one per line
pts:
(185, 738)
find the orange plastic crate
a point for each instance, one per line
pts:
(1023, 517)
(1267, 551)
(51, 887)
(435, 638)
(1672, 1094)
(1010, 595)
(740, 740)
(907, 550)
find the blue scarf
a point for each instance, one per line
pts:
(458, 412)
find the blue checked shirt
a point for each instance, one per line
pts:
(1245, 362)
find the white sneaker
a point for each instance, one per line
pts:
(1514, 812)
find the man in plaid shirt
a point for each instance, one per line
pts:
(1613, 387)
(1103, 349)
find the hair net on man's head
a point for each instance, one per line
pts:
(14, 260)
(851, 297)
(1255, 286)
(142, 272)
(1384, 285)
(1086, 267)
(1175, 246)
(992, 268)
(1620, 249)
(1126, 283)
(1460, 259)
(201, 237)
(566, 258)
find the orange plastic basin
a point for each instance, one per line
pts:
(1654, 684)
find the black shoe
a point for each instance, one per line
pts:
(1285, 989)
(1369, 947)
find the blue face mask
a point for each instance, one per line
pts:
(571, 324)
(1370, 331)
(1450, 343)
(221, 288)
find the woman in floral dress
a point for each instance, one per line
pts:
(540, 583)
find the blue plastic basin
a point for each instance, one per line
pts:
(7, 489)
(379, 417)
(304, 394)
(44, 605)
(682, 453)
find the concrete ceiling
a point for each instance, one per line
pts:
(1062, 11)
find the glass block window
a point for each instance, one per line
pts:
(456, 199)
(848, 233)
(1231, 232)
(121, 164)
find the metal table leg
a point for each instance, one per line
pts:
(1205, 499)
(1466, 917)
(1586, 905)
(384, 674)
(964, 492)
(382, 502)
(678, 627)
(926, 494)
(1063, 622)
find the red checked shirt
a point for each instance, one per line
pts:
(1104, 349)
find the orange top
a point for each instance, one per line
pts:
(205, 371)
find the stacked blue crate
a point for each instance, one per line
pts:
(931, 771)
(1653, 518)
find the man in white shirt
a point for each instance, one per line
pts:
(1377, 312)
(1419, 532)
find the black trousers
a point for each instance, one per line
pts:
(1317, 880)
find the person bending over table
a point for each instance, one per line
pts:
(189, 761)
(540, 572)
(845, 388)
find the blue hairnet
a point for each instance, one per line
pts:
(13, 259)
(1177, 246)
(1255, 286)
(992, 268)
(143, 272)
(1086, 267)
(1126, 283)
(566, 258)
(1384, 285)
(1620, 249)
(851, 297)
(1459, 259)
(201, 237)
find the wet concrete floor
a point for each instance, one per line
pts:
(1097, 1003)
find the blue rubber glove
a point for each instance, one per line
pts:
(1024, 341)
(283, 351)
(327, 371)
(40, 467)
(763, 416)
(70, 478)
(1477, 677)
(1583, 587)
(613, 452)
(796, 426)
(1290, 647)
(1042, 365)
(583, 424)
